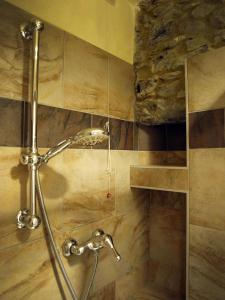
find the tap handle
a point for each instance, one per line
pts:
(108, 241)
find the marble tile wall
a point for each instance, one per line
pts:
(73, 74)
(160, 178)
(207, 176)
(79, 86)
(75, 210)
(167, 243)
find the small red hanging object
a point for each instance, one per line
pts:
(108, 195)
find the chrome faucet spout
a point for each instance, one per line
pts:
(98, 241)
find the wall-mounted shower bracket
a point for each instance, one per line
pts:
(26, 220)
(31, 159)
(27, 29)
(97, 241)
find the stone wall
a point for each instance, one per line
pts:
(167, 32)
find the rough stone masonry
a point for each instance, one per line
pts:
(167, 32)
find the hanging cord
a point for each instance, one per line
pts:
(107, 126)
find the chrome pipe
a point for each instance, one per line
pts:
(37, 26)
(29, 218)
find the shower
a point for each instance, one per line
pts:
(28, 218)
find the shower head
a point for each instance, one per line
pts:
(85, 137)
(90, 137)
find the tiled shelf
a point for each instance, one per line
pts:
(165, 178)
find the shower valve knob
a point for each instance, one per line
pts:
(67, 246)
(97, 241)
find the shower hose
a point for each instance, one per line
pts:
(55, 250)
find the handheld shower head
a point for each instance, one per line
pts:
(90, 137)
(85, 137)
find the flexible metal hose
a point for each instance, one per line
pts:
(55, 250)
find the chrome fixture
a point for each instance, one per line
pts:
(85, 137)
(98, 241)
(27, 218)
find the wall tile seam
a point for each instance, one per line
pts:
(69, 109)
(206, 110)
(208, 227)
(74, 229)
(120, 141)
(21, 244)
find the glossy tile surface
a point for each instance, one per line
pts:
(15, 63)
(207, 191)
(85, 199)
(158, 177)
(206, 85)
(73, 73)
(15, 188)
(26, 273)
(207, 263)
(106, 293)
(55, 124)
(126, 199)
(164, 158)
(85, 77)
(165, 137)
(127, 286)
(14, 52)
(149, 293)
(125, 229)
(121, 98)
(76, 205)
(167, 242)
(207, 129)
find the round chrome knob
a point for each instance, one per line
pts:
(66, 247)
(33, 222)
(24, 220)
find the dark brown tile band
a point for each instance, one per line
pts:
(207, 129)
(166, 137)
(56, 124)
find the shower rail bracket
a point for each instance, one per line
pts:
(27, 29)
(26, 220)
(31, 159)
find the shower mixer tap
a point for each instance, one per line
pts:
(98, 241)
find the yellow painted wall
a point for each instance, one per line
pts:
(107, 24)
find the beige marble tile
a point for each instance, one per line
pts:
(85, 199)
(128, 285)
(207, 263)
(121, 89)
(131, 241)
(106, 293)
(15, 59)
(26, 273)
(14, 190)
(156, 177)
(167, 236)
(207, 191)
(150, 293)
(126, 199)
(51, 66)
(85, 77)
(206, 87)
(174, 158)
(167, 210)
(13, 53)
